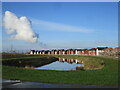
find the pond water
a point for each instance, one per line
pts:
(63, 64)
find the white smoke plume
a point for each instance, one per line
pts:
(19, 28)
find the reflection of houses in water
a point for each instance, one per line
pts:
(70, 60)
(92, 51)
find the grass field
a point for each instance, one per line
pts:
(107, 75)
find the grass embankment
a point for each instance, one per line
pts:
(29, 62)
(105, 76)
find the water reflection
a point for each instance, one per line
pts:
(70, 60)
(64, 64)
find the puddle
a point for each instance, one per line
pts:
(25, 84)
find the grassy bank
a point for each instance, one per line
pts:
(105, 76)
(29, 62)
(90, 62)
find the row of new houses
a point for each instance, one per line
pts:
(92, 51)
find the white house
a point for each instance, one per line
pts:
(100, 50)
(32, 52)
(63, 52)
(55, 52)
(76, 52)
(37, 52)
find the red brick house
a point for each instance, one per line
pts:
(92, 51)
(116, 51)
(61, 52)
(86, 52)
(52, 52)
(71, 51)
(43, 52)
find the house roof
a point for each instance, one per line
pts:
(92, 49)
(101, 48)
(47, 50)
(109, 49)
(117, 48)
(32, 50)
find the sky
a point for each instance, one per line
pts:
(65, 24)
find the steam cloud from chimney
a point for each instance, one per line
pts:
(19, 28)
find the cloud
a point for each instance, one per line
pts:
(59, 27)
(19, 28)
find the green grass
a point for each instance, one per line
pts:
(108, 75)
(90, 62)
